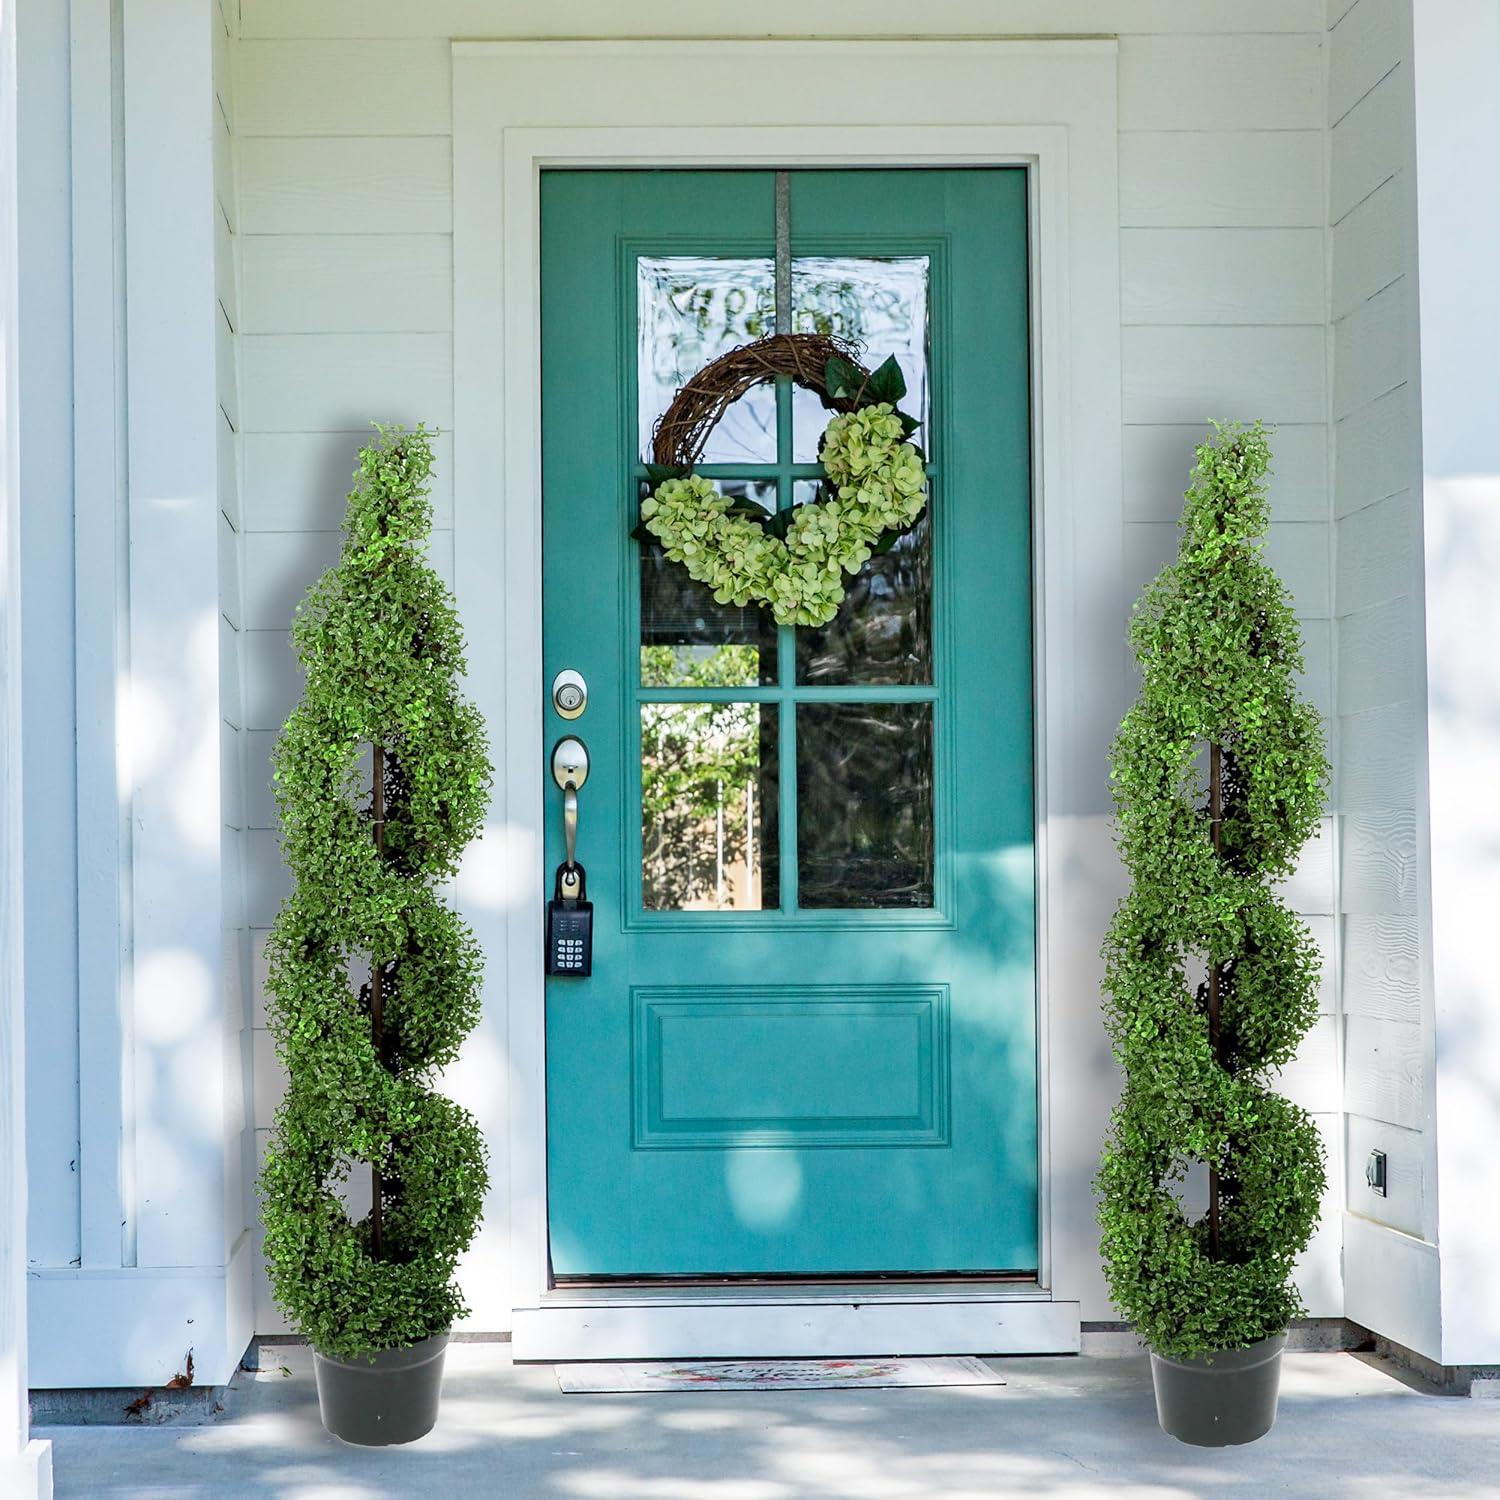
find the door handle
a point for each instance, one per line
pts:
(570, 769)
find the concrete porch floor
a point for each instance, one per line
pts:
(1066, 1427)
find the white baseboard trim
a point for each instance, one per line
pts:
(28, 1475)
(133, 1325)
(1391, 1285)
(784, 1329)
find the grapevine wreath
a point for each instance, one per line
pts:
(794, 561)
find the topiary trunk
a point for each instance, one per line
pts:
(381, 780)
(1218, 775)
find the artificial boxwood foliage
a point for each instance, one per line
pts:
(382, 651)
(1218, 648)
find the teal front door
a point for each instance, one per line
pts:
(807, 1046)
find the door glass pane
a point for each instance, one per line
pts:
(690, 310)
(864, 805)
(883, 630)
(708, 807)
(880, 302)
(688, 640)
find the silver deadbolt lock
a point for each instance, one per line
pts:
(570, 694)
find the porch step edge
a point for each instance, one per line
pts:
(795, 1330)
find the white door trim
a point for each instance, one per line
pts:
(521, 106)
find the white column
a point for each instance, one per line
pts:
(1457, 89)
(162, 1259)
(25, 1466)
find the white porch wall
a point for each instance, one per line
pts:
(1390, 1259)
(46, 539)
(239, 1128)
(136, 1064)
(25, 1465)
(346, 313)
(1456, 65)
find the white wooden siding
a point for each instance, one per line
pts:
(300, 480)
(1158, 460)
(1372, 40)
(1247, 82)
(1248, 179)
(1371, 250)
(1379, 551)
(1375, 446)
(1222, 276)
(239, 1207)
(1373, 346)
(325, 284)
(349, 185)
(1179, 375)
(280, 566)
(345, 167)
(1297, 550)
(333, 382)
(1378, 630)
(307, 88)
(1404, 1204)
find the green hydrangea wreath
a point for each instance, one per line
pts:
(793, 563)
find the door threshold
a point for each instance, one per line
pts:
(794, 1279)
(807, 1321)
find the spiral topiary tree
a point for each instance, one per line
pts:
(381, 780)
(1218, 775)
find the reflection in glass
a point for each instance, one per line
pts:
(878, 301)
(688, 640)
(864, 805)
(883, 630)
(690, 310)
(708, 807)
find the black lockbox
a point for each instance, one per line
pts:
(570, 928)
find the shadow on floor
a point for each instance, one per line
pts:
(1060, 1427)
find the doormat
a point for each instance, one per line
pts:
(773, 1375)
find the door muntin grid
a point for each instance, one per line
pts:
(736, 810)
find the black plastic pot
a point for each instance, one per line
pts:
(1219, 1399)
(391, 1397)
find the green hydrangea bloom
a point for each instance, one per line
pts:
(878, 484)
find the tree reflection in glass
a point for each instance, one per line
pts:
(708, 792)
(877, 301)
(682, 626)
(864, 805)
(882, 633)
(690, 310)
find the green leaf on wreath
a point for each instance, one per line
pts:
(887, 383)
(844, 379)
(658, 472)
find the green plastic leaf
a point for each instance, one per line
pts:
(887, 383)
(382, 651)
(1204, 928)
(843, 378)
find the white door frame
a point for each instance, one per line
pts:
(521, 106)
